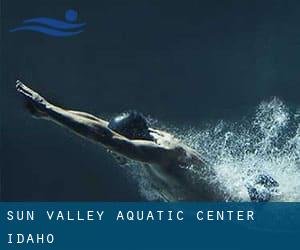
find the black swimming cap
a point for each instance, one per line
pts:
(132, 125)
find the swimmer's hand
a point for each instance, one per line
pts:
(35, 103)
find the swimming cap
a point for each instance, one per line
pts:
(132, 125)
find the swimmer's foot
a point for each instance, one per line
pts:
(34, 103)
(263, 188)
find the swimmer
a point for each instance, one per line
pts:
(129, 136)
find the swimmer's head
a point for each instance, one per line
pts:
(132, 125)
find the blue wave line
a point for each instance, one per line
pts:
(53, 23)
(47, 31)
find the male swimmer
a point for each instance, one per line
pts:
(129, 135)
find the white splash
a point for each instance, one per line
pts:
(268, 142)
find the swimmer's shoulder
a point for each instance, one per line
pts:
(185, 155)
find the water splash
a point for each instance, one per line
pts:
(267, 142)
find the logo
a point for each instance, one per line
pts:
(53, 27)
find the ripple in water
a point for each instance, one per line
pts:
(267, 142)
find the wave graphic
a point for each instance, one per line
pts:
(53, 23)
(268, 141)
(47, 31)
(53, 27)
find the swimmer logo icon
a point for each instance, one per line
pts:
(53, 27)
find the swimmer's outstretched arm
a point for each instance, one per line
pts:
(95, 129)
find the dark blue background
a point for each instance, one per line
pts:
(182, 62)
(276, 226)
